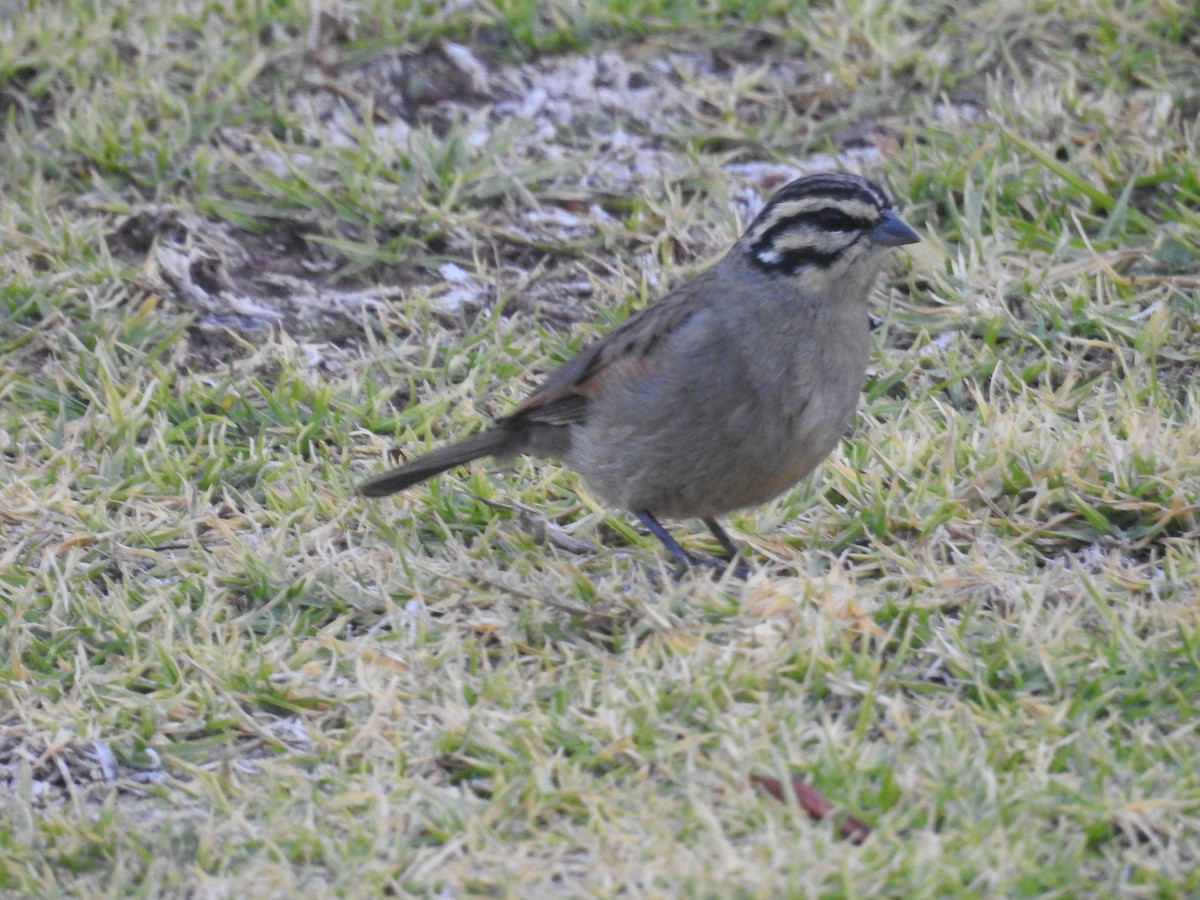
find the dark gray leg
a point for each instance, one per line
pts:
(733, 553)
(685, 559)
(741, 568)
(726, 542)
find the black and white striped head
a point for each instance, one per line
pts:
(823, 222)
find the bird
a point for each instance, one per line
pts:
(726, 391)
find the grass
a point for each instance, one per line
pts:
(251, 250)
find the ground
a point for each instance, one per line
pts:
(253, 252)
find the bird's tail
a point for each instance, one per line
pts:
(486, 443)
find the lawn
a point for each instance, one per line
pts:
(251, 253)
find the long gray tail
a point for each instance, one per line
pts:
(486, 443)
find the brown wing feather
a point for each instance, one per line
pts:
(562, 398)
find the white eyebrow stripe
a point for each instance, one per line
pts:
(788, 208)
(809, 239)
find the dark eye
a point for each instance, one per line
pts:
(834, 220)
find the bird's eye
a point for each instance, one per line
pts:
(832, 219)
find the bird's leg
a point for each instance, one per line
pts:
(726, 542)
(685, 559)
(741, 568)
(733, 553)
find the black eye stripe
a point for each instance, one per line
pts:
(827, 219)
(792, 261)
(813, 225)
(800, 225)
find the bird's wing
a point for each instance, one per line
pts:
(626, 351)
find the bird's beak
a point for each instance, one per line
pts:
(891, 231)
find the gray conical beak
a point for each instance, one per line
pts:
(890, 231)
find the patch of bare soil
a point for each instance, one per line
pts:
(50, 773)
(600, 128)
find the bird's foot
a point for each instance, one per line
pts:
(686, 561)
